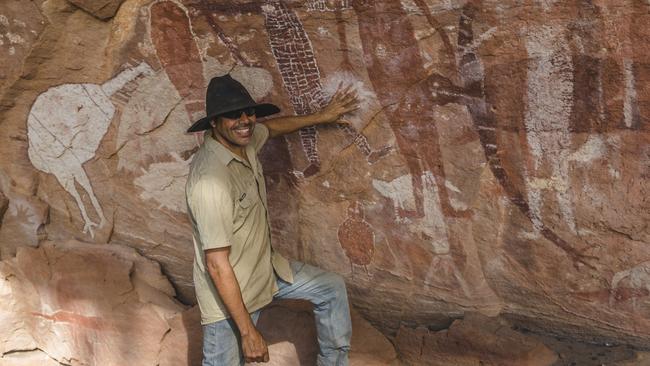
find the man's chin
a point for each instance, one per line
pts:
(241, 141)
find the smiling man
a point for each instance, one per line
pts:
(236, 271)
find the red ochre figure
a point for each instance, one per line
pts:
(357, 237)
(171, 34)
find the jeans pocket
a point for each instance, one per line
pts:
(296, 267)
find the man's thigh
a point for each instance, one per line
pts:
(311, 283)
(221, 343)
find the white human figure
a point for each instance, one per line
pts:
(65, 126)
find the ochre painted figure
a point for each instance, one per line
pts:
(236, 270)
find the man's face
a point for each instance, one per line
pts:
(236, 131)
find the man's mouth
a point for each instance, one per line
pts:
(244, 131)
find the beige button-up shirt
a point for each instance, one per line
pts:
(226, 199)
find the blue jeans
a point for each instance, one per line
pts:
(325, 290)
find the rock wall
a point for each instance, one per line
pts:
(498, 164)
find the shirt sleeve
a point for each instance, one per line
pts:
(260, 135)
(212, 208)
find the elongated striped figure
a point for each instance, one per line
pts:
(295, 58)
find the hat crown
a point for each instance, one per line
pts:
(226, 94)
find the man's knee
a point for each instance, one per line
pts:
(337, 284)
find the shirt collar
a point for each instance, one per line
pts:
(222, 153)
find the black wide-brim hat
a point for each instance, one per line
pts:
(224, 95)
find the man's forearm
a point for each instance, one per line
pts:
(226, 283)
(284, 125)
(253, 344)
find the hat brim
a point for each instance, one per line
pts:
(261, 110)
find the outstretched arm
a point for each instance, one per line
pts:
(343, 101)
(221, 272)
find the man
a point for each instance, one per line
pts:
(236, 272)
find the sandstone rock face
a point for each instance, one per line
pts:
(498, 164)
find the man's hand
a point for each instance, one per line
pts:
(345, 100)
(254, 347)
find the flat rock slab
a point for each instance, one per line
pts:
(474, 340)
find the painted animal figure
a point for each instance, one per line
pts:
(65, 126)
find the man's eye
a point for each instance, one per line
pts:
(232, 115)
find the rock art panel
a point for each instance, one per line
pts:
(497, 162)
(409, 101)
(587, 106)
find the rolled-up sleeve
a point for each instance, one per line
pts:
(212, 209)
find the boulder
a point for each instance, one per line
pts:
(289, 330)
(84, 304)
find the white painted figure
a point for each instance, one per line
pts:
(400, 191)
(548, 113)
(66, 125)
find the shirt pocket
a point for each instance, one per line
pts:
(247, 201)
